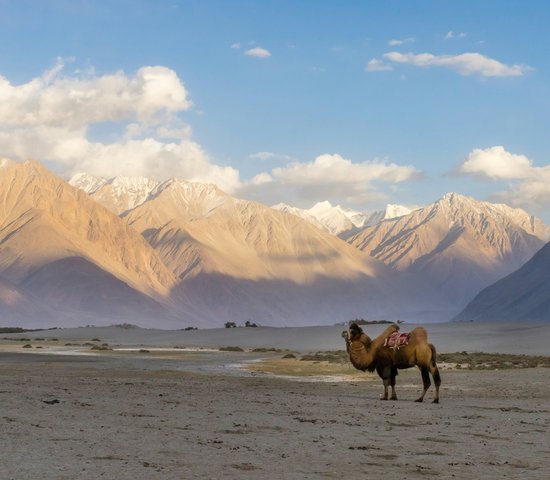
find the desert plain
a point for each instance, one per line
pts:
(119, 403)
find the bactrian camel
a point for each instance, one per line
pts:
(367, 354)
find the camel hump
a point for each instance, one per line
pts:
(419, 333)
(390, 329)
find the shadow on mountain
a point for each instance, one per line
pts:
(214, 298)
(76, 284)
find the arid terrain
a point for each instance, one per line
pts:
(179, 413)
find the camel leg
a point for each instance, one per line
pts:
(425, 382)
(386, 385)
(437, 381)
(392, 383)
(384, 373)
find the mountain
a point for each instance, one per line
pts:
(118, 194)
(458, 245)
(237, 260)
(524, 295)
(391, 211)
(71, 254)
(341, 221)
(240, 260)
(17, 307)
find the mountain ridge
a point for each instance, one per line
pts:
(458, 244)
(522, 295)
(44, 220)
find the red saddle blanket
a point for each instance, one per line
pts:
(396, 340)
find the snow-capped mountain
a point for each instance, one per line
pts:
(240, 259)
(458, 244)
(391, 211)
(118, 194)
(342, 221)
(188, 252)
(87, 182)
(332, 219)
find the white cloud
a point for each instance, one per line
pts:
(531, 194)
(268, 156)
(235, 46)
(183, 133)
(258, 52)
(465, 63)
(54, 99)
(376, 65)
(496, 163)
(328, 168)
(261, 179)
(397, 42)
(451, 34)
(49, 119)
(528, 186)
(329, 176)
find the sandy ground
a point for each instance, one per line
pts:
(137, 417)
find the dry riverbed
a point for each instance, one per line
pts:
(116, 417)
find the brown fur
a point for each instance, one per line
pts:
(367, 354)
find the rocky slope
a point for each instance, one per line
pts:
(182, 253)
(524, 295)
(70, 252)
(457, 245)
(242, 260)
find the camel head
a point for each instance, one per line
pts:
(354, 332)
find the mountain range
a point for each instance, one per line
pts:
(174, 254)
(178, 254)
(457, 245)
(338, 220)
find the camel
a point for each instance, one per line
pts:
(367, 354)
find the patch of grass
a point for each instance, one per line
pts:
(492, 361)
(331, 356)
(231, 349)
(100, 347)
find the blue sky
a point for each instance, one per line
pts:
(455, 97)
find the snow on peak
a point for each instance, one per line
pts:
(321, 207)
(87, 182)
(393, 211)
(4, 162)
(337, 219)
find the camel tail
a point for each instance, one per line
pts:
(434, 355)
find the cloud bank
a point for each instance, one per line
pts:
(328, 177)
(528, 186)
(50, 119)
